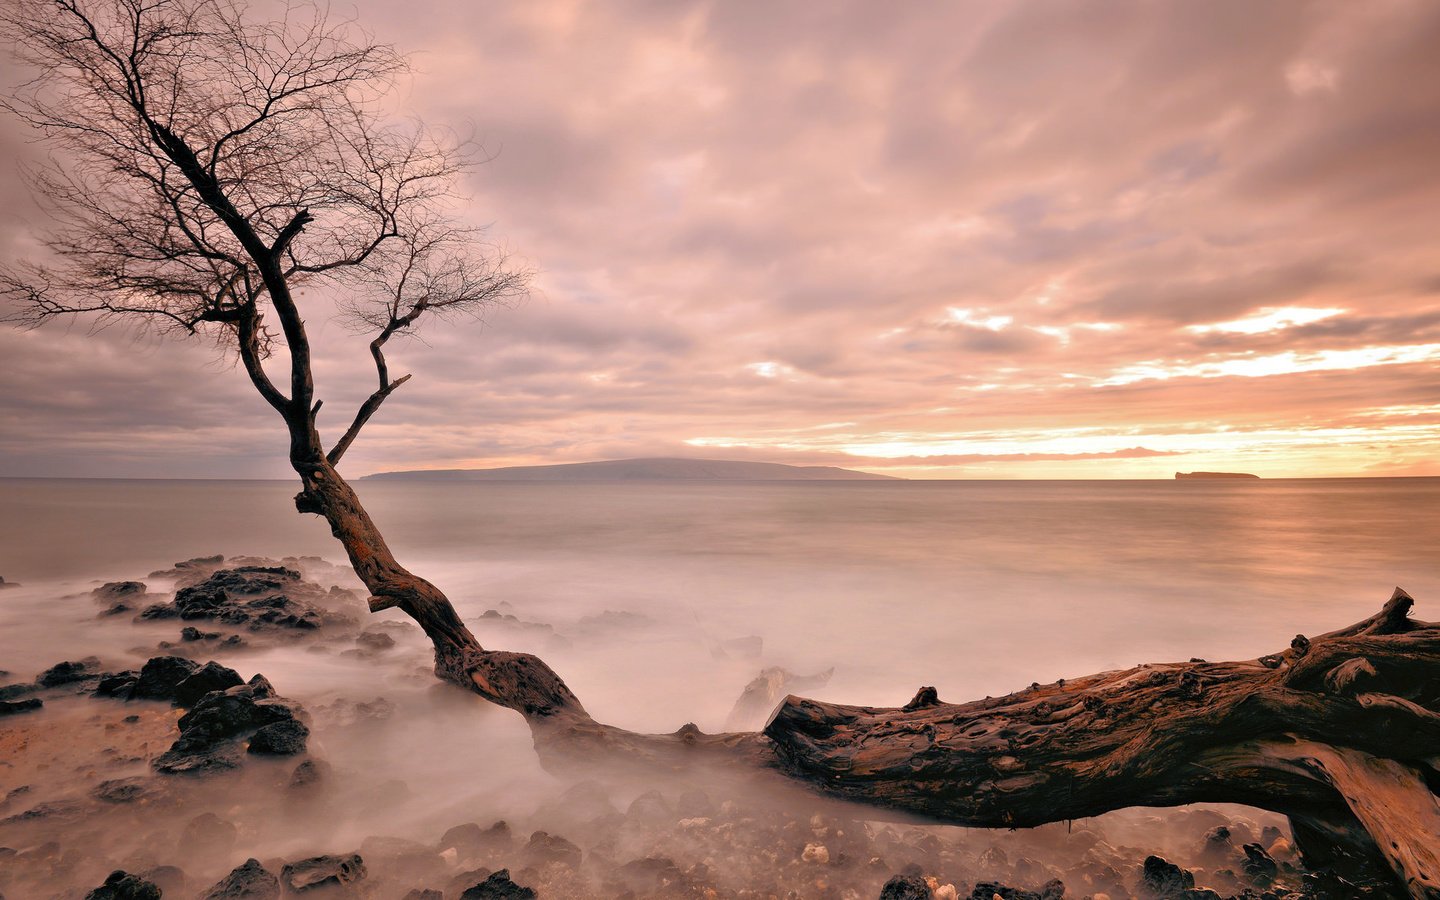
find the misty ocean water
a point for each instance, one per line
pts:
(978, 588)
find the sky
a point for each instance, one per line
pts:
(964, 240)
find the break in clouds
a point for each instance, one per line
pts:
(972, 240)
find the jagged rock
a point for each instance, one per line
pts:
(68, 672)
(1259, 867)
(468, 840)
(249, 881)
(766, 690)
(18, 689)
(1163, 880)
(907, 887)
(424, 894)
(498, 886)
(210, 677)
(189, 634)
(322, 871)
(118, 591)
(374, 641)
(1217, 845)
(12, 707)
(207, 730)
(1053, 889)
(161, 675)
(124, 886)
(120, 685)
(198, 762)
(261, 598)
(285, 738)
(190, 567)
(545, 848)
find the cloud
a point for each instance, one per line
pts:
(812, 189)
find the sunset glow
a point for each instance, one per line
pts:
(1203, 241)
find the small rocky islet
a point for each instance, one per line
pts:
(154, 745)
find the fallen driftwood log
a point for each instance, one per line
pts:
(1339, 732)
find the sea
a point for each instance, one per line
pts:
(658, 602)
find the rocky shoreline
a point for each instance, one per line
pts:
(163, 779)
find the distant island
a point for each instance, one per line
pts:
(1214, 475)
(655, 469)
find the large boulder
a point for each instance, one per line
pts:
(208, 678)
(124, 886)
(211, 730)
(284, 738)
(260, 598)
(497, 886)
(249, 881)
(70, 672)
(11, 707)
(160, 676)
(322, 871)
(906, 887)
(1163, 880)
(118, 596)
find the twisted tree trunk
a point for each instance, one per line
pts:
(1341, 733)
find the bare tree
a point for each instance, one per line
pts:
(208, 165)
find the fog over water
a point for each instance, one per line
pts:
(977, 588)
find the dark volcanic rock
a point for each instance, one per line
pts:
(250, 881)
(11, 691)
(907, 887)
(161, 675)
(117, 591)
(210, 677)
(123, 886)
(118, 684)
(470, 840)
(261, 598)
(1259, 867)
(208, 732)
(68, 672)
(1162, 879)
(285, 738)
(545, 847)
(201, 565)
(498, 887)
(988, 890)
(322, 871)
(11, 707)
(424, 894)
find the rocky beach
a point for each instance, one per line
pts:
(177, 768)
